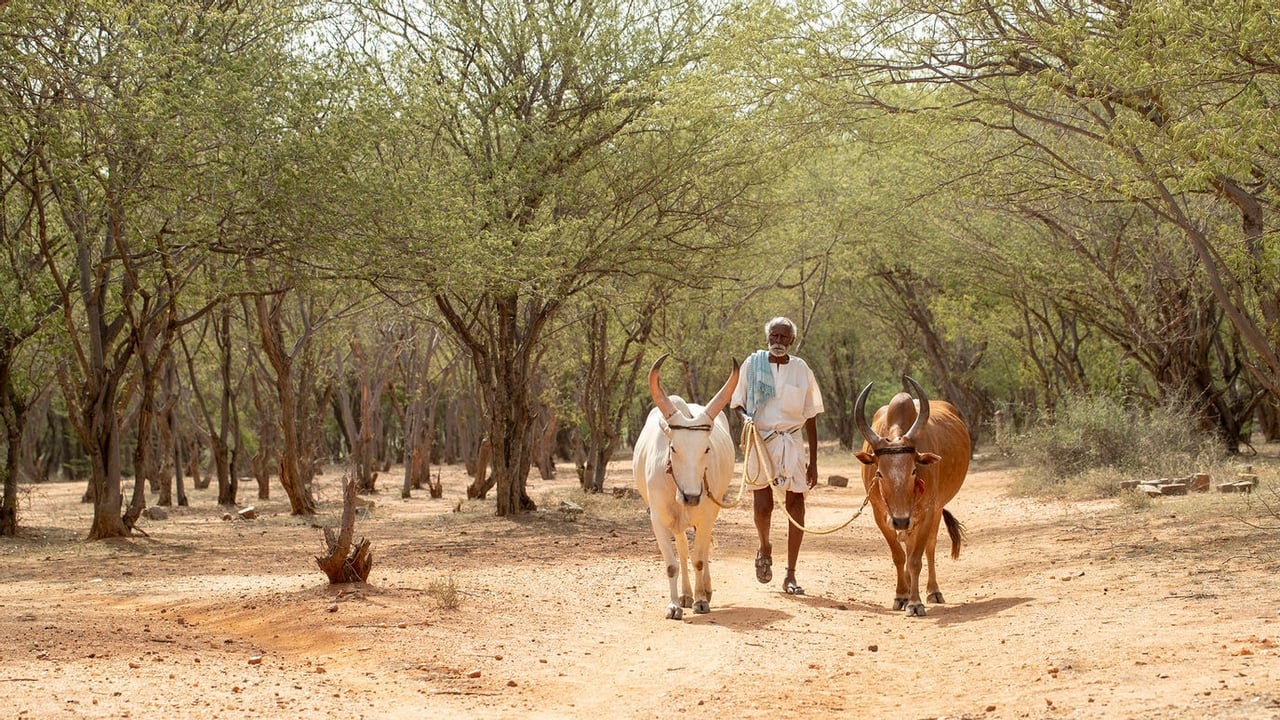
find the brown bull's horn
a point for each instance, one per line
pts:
(922, 415)
(722, 398)
(660, 398)
(860, 418)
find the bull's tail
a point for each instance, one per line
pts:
(955, 529)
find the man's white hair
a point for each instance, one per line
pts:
(781, 321)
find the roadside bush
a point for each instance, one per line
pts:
(1095, 442)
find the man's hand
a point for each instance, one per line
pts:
(812, 476)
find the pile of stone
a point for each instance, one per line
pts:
(1246, 481)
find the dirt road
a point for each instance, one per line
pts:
(1055, 610)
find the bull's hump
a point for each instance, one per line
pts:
(901, 411)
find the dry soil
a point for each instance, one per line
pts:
(1055, 609)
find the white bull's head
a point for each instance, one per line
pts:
(688, 434)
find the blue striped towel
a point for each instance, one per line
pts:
(759, 381)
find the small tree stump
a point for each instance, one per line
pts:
(838, 481)
(340, 567)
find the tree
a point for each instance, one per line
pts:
(128, 103)
(1164, 107)
(569, 144)
(25, 307)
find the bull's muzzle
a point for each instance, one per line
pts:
(690, 500)
(901, 523)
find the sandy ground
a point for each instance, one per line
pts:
(1055, 610)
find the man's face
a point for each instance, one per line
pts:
(780, 339)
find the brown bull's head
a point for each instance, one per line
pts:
(689, 437)
(895, 459)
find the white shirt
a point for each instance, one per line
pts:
(796, 399)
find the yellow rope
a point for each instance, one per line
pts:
(753, 443)
(749, 441)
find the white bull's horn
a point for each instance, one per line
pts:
(722, 398)
(660, 399)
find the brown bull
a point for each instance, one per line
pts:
(910, 476)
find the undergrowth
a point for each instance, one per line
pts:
(1093, 444)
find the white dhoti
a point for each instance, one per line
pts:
(788, 458)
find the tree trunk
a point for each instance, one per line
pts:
(596, 466)
(291, 477)
(545, 443)
(222, 468)
(104, 468)
(13, 432)
(419, 429)
(12, 413)
(482, 480)
(337, 565)
(512, 458)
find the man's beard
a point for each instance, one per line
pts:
(778, 350)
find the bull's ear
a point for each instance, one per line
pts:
(866, 457)
(927, 458)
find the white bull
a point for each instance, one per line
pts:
(683, 453)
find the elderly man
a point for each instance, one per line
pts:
(778, 392)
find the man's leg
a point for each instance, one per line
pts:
(795, 508)
(762, 503)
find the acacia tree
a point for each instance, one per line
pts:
(24, 307)
(1144, 103)
(218, 423)
(422, 380)
(129, 105)
(572, 142)
(290, 364)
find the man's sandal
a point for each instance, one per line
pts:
(764, 567)
(789, 585)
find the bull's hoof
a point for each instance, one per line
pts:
(702, 607)
(935, 598)
(674, 612)
(899, 603)
(686, 601)
(915, 610)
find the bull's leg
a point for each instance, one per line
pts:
(668, 550)
(702, 566)
(686, 589)
(899, 554)
(934, 595)
(915, 545)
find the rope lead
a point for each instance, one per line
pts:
(751, 442)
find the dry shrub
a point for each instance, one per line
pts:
(1093, 443)
(445, 593)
